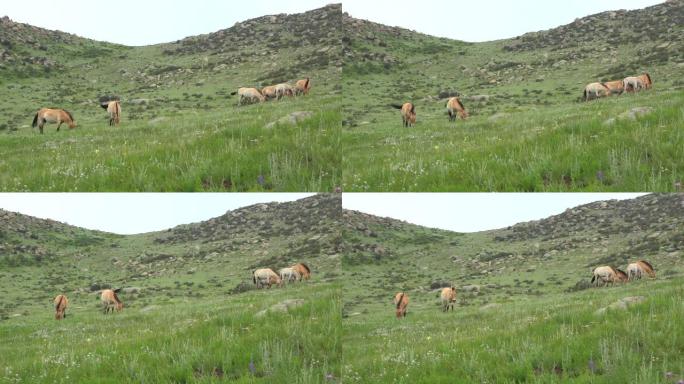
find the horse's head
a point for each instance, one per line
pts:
(119, 306)
(72, 124)
(621, 275)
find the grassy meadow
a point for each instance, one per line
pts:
(218, 338)
(553, 339)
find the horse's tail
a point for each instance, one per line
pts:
(648, 77)
(254, 276)
(306, 84)
(397, 106)
(233, 93)
(585, 94)
(413, 108)
(401, 298)
(35, 120)
(61, 298)
(118, 109)
(593, 278)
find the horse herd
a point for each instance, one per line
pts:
(601, 276)
(278, 91)
(454, 105)
(265, 277)
(617, 87)
(61, 116)
(261, 277)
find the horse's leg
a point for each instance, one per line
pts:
(59, 124)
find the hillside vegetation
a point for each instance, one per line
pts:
(181, 129)
(191, 313)
(528, 129)
(526, 311)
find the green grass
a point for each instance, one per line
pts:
(179, 341)
(539, 340)
(564, 147)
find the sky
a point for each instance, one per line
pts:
(154, 21)
(130, 213)
(471, 212)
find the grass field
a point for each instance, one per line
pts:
(198, 340)
(553, 339)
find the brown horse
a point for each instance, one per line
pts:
(455, 106)
(633, 84)
(616, 87)
(646, 80)
(110, 301)
(265, 277)
(302, 86)
(251, 94)
(401, 301)
(448, 297)
(303, 270)
(269, 92)
(595, 90)
(607, 274)
(113, 107)
(408, 113)
(53, 115)
(638, 269)
(61, 303)
(284, 89)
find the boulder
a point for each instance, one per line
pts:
(282, 307)
(291, 119)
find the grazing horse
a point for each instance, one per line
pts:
(302, 86)
(616, 87)
(283, 89)
(303, 270)
(646, 80)
(289, 275)
(633, 84)
(61, 303)
(595, 90)
(408, 113)
(454, 106)
(448, 297)
(53, 115)
(113, 107)
(251, 94)
(607, 274)
(110, 300)
(638, 269)
(401, 301)
(269, 92)
(265, 276)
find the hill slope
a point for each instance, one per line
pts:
(181, 128)
(525, 311)
(526, 131)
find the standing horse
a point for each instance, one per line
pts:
(265, 276)
(448, 297)
(646, 80)
(251, 94)
(110, 301)
(53, 115)
(303, 270)
(607, 274)
(61, 303)
(112, 107)
(289, 275)
(302, 86)
(401, 301)
(269, 92)
(595, 90)
(633, 84)
(408, 113)
(283, 89)
(454, 106)
(616, 87)
(638, 269)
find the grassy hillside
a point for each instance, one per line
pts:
(191, 312)
(527, 129)
(526, 311)
(181, 129)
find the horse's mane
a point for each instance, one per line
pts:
(621, 272)
(306, 267)
(647, 263)
(69, 113)
(116, 298)
(605, 86)
(401, 297)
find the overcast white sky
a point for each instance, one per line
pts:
(471, 212)
(135, 22)
(129, 213)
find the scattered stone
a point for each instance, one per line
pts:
(282, 307)
(291, 119)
